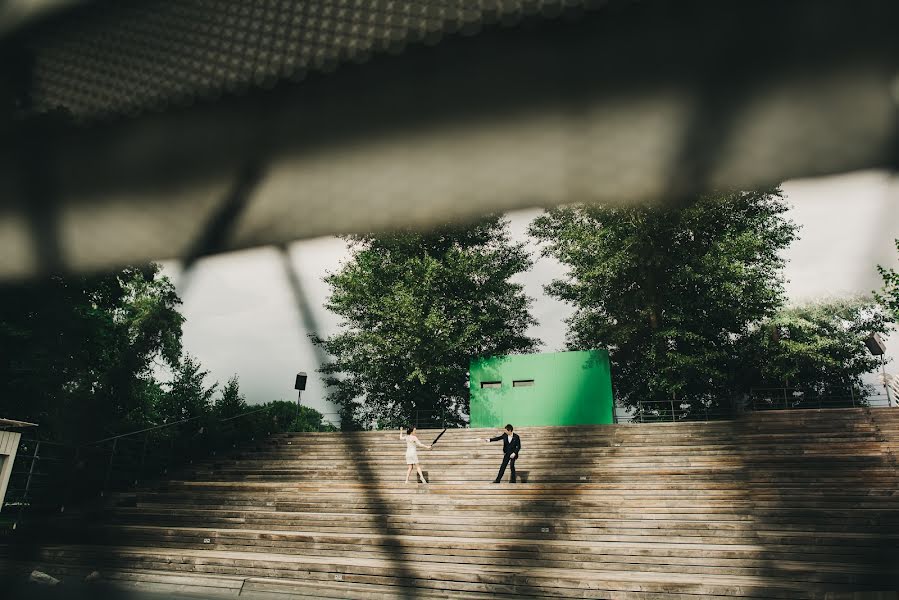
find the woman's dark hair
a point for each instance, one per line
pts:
(509, 427)
(409, 430)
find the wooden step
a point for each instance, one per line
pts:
(789, 504)
(471, 578)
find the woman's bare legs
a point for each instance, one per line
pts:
(408, 472)
(422, 475)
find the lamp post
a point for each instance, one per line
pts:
(877, 348)
(299, 385)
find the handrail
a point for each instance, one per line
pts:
(172, 424)
(757, 400)
(252, 412)
(98, 466)
(130, 433)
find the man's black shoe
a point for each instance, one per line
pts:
(513, 481)
(497, 482)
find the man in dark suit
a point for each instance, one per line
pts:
(511, 450)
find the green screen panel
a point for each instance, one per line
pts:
(558, 388)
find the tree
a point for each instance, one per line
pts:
(187, 396)
(816, 350)
(889, 295)
(285, 416)
(231, 403)
(77, 353)
(147, 329)
(415, 308)
(669, 291)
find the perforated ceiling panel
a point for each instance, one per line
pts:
(128, 57)
(178, 149)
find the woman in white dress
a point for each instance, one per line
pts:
(412, 452)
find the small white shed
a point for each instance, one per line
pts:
(9, 445)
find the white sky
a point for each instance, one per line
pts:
(242, 316)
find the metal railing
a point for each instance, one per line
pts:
(429, 419)
(785, 398)
(758, 400)
(672, 410)
(39, 467)
(433, 419)
(48, 476)
(333, 419)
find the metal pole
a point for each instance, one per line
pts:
(115, 444)
(143, 457)
(672, 407)
(886, 386)
(34, 458)
(74, 478)
(22, 503)
(168, 458)
(299, 398)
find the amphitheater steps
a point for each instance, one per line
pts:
(800, 504)
(738, 558)
(574, 581)
(886, 422)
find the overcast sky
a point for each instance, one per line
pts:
(242, 315)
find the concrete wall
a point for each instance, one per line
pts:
(568, 388)
(9, 445)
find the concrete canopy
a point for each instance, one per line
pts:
(173, 129)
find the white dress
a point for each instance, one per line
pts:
(411, 451)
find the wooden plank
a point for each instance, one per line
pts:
(777, 505)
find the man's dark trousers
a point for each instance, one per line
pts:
(510, 447)
(502, 468)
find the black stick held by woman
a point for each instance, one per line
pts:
(440, 435)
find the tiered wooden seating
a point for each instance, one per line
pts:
(800, 504)
(887, 423)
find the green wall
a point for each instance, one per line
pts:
(570, 388)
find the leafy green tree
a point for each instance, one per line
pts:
(669, 291)
(149, 395)
(889, 295)
(231, 402)
(816, 350)
(77, 353)
(188, 396)
(286, 417)
(415, 308)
